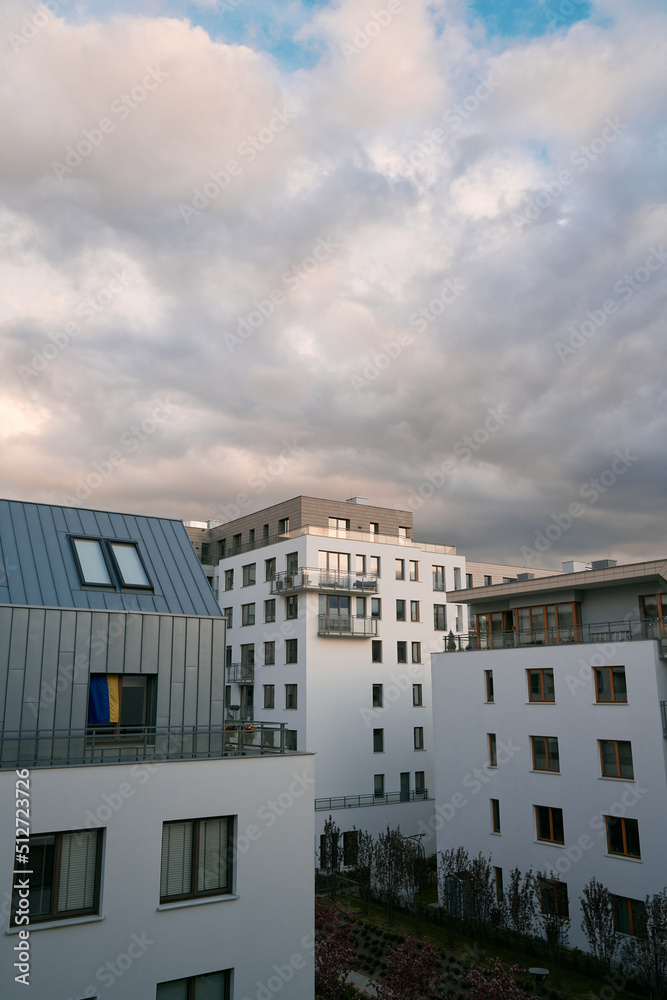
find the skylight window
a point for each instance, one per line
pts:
(92, 564)
(102, 562)
(128, 562)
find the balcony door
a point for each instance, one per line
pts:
(337, 610)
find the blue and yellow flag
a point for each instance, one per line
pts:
(103, 699)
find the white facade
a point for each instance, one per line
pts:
(465, 717)
(262, 930)
(335, 674)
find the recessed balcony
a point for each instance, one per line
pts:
(591, 632)
(324, 580)
(240, 673)
(352, 626)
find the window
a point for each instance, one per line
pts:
(290, 696)
(249, 574)
(290, 739)
(418, 737)
(290, 651)
(402, 532)
(549, 824)
(378, 785)
(228, 656)
(420, 786)
(269, 569)
(495, 815)
(269, 696)
(616, 758)
(269, 653)
(468, 580)
(493, 751)
(360, 564)
(247, 614)
(487, 581)
(376, 607)
(416, 652)
(339, 525)
(64, 875)
(553, 897)
(377, 696)
(400, 611)
(91, 563)
(439, 578)
(440, 617)
(378, 741)
(129, 564)
(360, 607)
(283, 525)
(214, 986)
(417, 695)
(228, 613)
(265, 531)
(270, 610)
(376, 650)
(248, 654)
(629, 915)
(509, 579)
(375, 527)
(292, 562)
(414, 611)
(400, 569)
(375, 565)
(623, 836)
(541, 685)
(350, 848)
(222, 548)
(457, 578)
(488, 683)
(119, 704)
(545, 753)
(610, 684)
(498, 881)
(251, 536)
(401, 652)
(229, 579)
(292, 606)
(414, 569)
(196, 858)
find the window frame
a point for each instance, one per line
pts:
(377, 695)
(228, 580)
(542, 671)
(268, 696)
(128, 543)
(439, 578)
(376, 648)
(401, 651)
(414, 611)
(597, 671)
(547, 753)
(120, 730)
(54, 913)
(635, 914)
(439, 615)
(247, 613)
(551, 812)
(622, 820)
(415, 652)
(291, 651)
(291, 607)
(378, 741)
(82, 577)
(291, 695)
(418, 737)
(498, 884)
(488, 685)
(228, 615)
(269, 610)
(191, 983)
(493, 749)
(399, 569)
(269, 570)
(616, 744)
(417, 696)
(553, 890)
(413, 570)
(248, 571)
(378, 786)
(495, 815)
(400, 610)
(269, 643)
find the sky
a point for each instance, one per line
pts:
(404, 250)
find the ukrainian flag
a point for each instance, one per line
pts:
(103, 702)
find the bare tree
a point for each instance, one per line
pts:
(453, 867)
(364, 870)
(647, 951)
(597, 906)
(519, 903)
(390, 851)
(330, 854)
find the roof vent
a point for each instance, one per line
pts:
(603, 564)
(363, 500)
(575, 566)
(525, 576)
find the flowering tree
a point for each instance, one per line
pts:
(493, 983)
(413, 972)
(334, 952)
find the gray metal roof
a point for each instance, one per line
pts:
(38, 567)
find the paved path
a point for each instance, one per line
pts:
(362, 983)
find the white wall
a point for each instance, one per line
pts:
(464, 788)
(268, 925)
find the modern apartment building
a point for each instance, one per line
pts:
(551, 734)
(333, 610)
(139, 832)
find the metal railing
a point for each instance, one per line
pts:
(663, 707)
(595, 632)
(76, 747)
(240, 673)
(322, 532)
(240, 713)
(348, 625)
(371, 799)
(324, 579)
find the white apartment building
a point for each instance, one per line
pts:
(139, 831)
(333, 610)
(550, 733)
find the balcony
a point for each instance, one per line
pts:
(77, 747)
(663, 706)
(240, 713)
(353, 626)
(596, 632)
(324, 580)
(322, 532)
(357, 801)
(239, 673)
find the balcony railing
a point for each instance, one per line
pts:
(595, 632)
(324, 579)
(322, 532)
(240, 673)
(240, 713)
(76, 747)
(663, 707)
(357, 801)
(353, 626)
